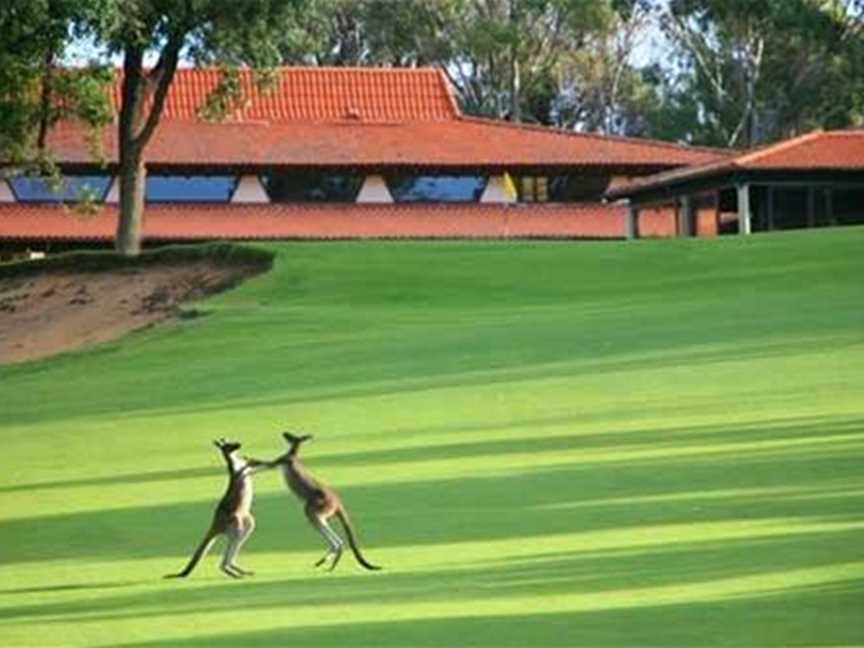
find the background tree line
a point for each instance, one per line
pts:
(720, 72)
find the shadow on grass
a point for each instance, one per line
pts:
(398, 375)
(531, 351)
(809, 479)
(667, 438)
(825, 616)
(780, 430)
(589, 574)
(69, 587)
(116, 480)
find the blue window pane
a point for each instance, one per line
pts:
(189, 188)
(70, 188)
(436, 188)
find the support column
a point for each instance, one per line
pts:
(113, 195)
(6, 195)
(744, 214)
(499, 189)
(717, 197)
(249, 190)
(374, 190)
(687, 225)
(811, 207)
(830, 216)
(769, 207)
(632, 222)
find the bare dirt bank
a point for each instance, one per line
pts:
(60, 308)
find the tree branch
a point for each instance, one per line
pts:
(161, 76)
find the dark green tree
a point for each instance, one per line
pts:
(224, 32)
(760, 70)
(36, 91)
(502, 56)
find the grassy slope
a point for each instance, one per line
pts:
(545, 444)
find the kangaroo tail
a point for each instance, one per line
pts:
(202, 549)
(349, 531)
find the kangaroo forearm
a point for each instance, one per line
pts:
(260, 463)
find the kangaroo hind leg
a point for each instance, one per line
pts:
(234, 536)
(334, 542)
(247, 526)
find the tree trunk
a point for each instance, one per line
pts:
(515, 90)
(135, 127)
(133, 174)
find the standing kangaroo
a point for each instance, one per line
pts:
(321, 503)
(233, 515)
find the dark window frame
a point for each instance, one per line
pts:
(307, 183)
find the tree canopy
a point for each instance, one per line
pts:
(148, 38)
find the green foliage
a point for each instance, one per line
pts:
(35, 90)
(762, 71)
(35, 94)
(571, 63)
(649, 444)
(502, 56)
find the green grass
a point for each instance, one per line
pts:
(648, 444)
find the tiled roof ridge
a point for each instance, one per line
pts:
(743, 162)
(642, 141)
(753, 155)
(448, 90)
(846, 132)
(325, 92)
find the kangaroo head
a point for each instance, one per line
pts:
(227, 447)
(294, 441)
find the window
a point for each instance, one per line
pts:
(532, 188)
(68, 189)
(189, 188)
(437, 188)
(561, 188)
(848, 206)
(575, 188)
(312, 187)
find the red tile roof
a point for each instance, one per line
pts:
(454, 143)
(318, 94)
(279, 221)
(817, 151)
(362, 117)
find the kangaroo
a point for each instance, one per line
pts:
(321, 503)
(233, 515)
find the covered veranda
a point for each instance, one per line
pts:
(812, 181)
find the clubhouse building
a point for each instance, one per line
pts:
(336, 153)
(344, 153)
